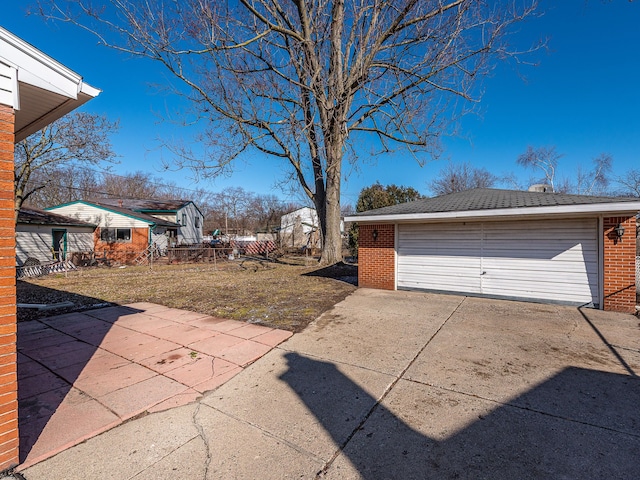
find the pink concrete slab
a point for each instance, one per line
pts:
(127, 339)
(130, 401)
(99, 363)
(180, 316)
(249, 330)
(111, 314)
(215, 345)
(202, 369)
(183, 334)
(206, 322)
(35, 411)
(90, 354)
(102, 383)
(141, 322)
(273, 338)
(141, 351)
(92, 325)
(39, 384)
(156, 324)
(170, 360)
(54, 352)
(146, 307)
(117, 334)
(215, 382)
(68, 426)
(91, 336)
(28, 367)
(184, 398)
(81, 354)
(245, 352)
(37, 341)
(31, 327)
(228, 326)
(67, 319)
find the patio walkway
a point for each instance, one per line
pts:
(81, 374)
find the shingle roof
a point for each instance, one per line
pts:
(132, 213)
(147, 205)
(124, 211)
(491, 199)
(35, 216)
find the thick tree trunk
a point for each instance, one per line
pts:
(329, 215)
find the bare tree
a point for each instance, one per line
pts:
(630, 183)
(544, 159)
(596, 180)
(303, 80)
(137, 185)
(76, 139)
(456, 177)
(71, 183)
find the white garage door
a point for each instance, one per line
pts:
(543, 260)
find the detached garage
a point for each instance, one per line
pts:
(547, 247)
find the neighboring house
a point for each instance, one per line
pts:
(546, 247)
(122, 234)
(35, 90)
(300, 229)
(184, 213)
(46, 236)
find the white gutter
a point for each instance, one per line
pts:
(36, 68)
(631, 208)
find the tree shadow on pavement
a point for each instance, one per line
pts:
(577, 424)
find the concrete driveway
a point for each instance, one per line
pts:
(403, 385)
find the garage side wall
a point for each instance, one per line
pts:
(619, 265)
(376, 258)
(8, 374)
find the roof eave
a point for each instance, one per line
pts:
(29, 66)
(630, 208)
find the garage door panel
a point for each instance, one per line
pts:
(441, 261)
(544, 260)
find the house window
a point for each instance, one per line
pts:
(115, 235)
(184, 219)
(197, 222)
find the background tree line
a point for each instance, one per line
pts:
(71, 159)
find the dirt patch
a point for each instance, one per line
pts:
(281, 295)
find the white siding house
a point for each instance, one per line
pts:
(300, 228)
(122, 234)
(184, 213)
(45, 236)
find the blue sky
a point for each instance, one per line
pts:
(583, 97)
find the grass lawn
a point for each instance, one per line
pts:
(282, 295)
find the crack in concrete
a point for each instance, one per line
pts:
(386, 392)
(269, 434)
(204, 437)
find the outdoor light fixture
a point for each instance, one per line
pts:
(619, 231)
(374, 234)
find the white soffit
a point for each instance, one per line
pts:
(614, 208)
(46, 89)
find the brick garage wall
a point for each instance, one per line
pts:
(619, 265)
(376, 258)
(122, 252)
(8, 375)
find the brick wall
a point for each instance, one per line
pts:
(8, 375)
(619, 265)
(376, 258)
(122, 252)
